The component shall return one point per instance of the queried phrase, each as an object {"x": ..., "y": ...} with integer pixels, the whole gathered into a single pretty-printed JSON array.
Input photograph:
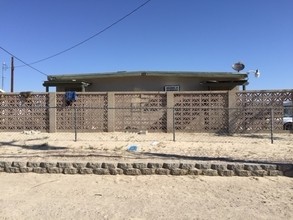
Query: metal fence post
[
  {"x": 173, "y": 124},
  {"x": 272, "y": 125},
  {"x": 75, "y": 125}
]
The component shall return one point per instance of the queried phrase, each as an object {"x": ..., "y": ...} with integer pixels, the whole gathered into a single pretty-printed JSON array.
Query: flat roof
[{"x": 209, "y": 75}]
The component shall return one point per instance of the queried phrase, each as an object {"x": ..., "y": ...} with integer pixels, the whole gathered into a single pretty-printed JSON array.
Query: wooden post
[{"x": 12, "y": 75}]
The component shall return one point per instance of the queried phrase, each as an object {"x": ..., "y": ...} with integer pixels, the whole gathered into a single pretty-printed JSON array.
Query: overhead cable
[
  {"x": 25, "y": 64},
  {"x": 93, "y": 36}
]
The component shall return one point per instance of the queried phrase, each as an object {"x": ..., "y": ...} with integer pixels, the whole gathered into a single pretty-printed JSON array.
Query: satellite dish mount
[{"x": 238, "y": 66}]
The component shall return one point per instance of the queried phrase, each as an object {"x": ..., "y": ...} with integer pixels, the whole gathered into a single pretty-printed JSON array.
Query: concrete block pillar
[
  {"x": 231, "y": 111},
  {"x": 111, "y": 111},
  {"x": 52, "y": 112},
  {"x": 170, "y": 112}
]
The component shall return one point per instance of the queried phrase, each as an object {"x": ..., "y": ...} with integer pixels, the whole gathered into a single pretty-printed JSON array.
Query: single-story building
[{"x": 147, "y": 81}]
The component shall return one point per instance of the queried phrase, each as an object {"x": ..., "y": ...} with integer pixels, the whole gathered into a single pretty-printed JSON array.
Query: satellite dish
[{"x": 238, "y": 66}]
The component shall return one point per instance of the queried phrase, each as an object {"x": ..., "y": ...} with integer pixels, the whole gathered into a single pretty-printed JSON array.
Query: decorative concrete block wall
[
  {"x": 185, "y": 111},
  {"x": 198, "y": 168}
]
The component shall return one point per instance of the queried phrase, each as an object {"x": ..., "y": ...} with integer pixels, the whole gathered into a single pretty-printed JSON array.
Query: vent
[{"x": 172, "y": 88}]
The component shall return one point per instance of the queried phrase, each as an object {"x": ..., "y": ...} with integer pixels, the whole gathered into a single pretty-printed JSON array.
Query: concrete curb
[{"x": 176, "y": 169}]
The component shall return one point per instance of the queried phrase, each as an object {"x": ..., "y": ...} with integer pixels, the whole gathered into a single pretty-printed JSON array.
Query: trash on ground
[
  {"x": 143, "y": 132},
  {"x": 154, "y": 143},
  {"x": 132, "y": 148}
]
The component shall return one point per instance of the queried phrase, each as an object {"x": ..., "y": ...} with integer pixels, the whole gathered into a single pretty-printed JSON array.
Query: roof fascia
[{"x": 148, "y": 73}]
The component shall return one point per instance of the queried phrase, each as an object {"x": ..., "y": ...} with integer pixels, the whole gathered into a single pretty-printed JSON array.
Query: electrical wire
[
  {"x": 93, "y": 36},
  {"x": 76, "y": 45},
  {"x": 25, "y": 64}
]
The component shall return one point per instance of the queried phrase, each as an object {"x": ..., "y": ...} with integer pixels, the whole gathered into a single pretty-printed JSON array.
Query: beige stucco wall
[
  {"x": 142, "y": 83},
  {"x": 147, "y": 83}
]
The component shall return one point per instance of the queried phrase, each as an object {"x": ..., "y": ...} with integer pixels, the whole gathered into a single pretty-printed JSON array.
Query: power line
[
  {"x": 93, "y": 36},
  {"x": 76, "y": 45},
  {"x": 26, "y": 64}
]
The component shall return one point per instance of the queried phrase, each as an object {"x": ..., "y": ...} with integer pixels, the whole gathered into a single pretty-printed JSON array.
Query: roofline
[{"x": 149, "y": 73}]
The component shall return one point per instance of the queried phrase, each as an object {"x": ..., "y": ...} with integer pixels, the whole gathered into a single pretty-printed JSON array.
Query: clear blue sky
[{"x": 189, "y": 35}]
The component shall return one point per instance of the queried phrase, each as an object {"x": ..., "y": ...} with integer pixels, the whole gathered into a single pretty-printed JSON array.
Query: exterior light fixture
[{"x": 255, "y": 72}]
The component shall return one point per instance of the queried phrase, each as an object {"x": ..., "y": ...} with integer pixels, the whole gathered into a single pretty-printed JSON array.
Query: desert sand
[
  {"x": 43, "y": 196},
  {"x": 58, "y": 196},
  {"x": 31, "y": 145}
]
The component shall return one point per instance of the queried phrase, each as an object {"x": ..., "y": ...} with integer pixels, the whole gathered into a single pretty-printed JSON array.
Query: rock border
[{"x": 134, "y": 169}]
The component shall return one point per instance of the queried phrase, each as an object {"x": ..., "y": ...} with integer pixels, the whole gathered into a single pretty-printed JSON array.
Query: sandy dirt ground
[
  {"x": 39, "y": 196},
  {"x": 57, "y": 196},
  {"x": 156, "y": 146}
]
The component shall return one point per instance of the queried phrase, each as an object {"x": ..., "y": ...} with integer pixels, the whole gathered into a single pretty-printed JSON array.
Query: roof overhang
[
  {"x": 210, "y": 79},
  {"x": 65, "y": 83},
  {"x": 200, "y": 75},
  {"x": 225, "y": 82}
]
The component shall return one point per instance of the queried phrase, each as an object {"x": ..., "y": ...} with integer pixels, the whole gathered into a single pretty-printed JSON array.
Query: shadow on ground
[
  {"x": 199, "y": 158},
  {"x": 253, "y": 136},
  {"x": 43, "y": 146}
]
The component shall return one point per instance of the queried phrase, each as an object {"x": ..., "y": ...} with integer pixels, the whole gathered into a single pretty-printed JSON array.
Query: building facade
[{"x": 147, "y": 81}]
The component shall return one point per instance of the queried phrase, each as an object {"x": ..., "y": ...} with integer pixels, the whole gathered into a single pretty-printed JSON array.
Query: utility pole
[{"x": 12, "y": 75}]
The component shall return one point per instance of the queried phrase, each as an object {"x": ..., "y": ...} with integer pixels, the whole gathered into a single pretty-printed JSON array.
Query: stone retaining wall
[{"x": 199, "y": 168}]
